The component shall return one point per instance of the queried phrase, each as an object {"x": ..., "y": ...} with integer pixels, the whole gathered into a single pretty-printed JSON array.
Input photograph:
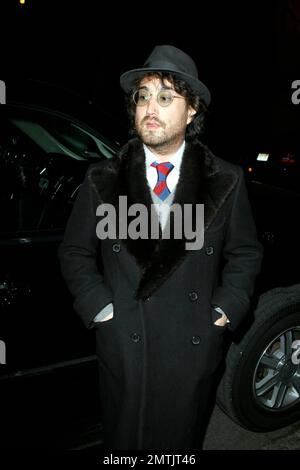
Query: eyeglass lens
[{"x": 163, "y": 97}]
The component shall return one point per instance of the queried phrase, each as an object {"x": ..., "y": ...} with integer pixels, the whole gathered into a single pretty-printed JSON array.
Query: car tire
[{"x": 260, "y": 388}]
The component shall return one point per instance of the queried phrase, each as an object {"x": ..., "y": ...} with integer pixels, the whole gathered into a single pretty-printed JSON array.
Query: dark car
[
  {"x": 47, "y": 362},
  {"x": 48, "y": 377}
]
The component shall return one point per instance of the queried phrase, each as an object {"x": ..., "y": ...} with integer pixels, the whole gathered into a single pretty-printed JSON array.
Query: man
[{"x": 159, "y": 308}]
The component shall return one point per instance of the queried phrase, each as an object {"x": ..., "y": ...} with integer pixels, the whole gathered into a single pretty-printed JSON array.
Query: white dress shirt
[{"x": 163, "y": 207}]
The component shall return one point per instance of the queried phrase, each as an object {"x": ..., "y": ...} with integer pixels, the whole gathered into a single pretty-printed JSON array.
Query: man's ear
[{"x": 191, "y": 114}]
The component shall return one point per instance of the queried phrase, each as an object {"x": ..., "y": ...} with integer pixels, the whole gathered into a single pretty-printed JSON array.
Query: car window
[
  {"x": 59, "y": 136},
  {"x": 43, "y": 159}
]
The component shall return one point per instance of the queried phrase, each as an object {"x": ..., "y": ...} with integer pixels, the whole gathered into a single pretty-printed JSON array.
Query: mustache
[{"x": 152, "y": 119}]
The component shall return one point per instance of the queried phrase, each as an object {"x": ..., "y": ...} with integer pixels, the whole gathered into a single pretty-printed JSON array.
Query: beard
[{"x": 158, "y": 138}]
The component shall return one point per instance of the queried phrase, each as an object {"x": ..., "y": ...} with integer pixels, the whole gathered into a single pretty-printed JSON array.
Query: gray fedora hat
[{"x": 172, "y": 60}]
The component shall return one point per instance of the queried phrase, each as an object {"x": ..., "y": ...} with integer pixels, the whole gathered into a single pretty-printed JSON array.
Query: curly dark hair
[{"x": 195, "y": 127}]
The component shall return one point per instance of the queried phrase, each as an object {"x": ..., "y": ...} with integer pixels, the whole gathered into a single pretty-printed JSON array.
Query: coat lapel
[{"x": 201, "y": 181}]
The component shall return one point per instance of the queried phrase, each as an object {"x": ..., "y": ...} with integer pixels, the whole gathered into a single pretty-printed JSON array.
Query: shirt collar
[{"x": 175, "y": 159}]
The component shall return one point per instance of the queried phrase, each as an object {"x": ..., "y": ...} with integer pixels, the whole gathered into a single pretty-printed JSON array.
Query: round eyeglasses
[{"x": 164, "y": 97}]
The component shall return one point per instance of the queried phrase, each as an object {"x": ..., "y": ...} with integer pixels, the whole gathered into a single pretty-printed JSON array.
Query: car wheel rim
[{"x": 276, "y": 380}]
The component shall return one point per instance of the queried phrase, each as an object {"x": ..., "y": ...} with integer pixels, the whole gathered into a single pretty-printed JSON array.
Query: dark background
[{"x": 246, "y": 52}]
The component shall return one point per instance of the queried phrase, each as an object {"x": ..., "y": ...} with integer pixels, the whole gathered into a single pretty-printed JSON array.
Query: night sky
[{"x": 247, "y": 53}]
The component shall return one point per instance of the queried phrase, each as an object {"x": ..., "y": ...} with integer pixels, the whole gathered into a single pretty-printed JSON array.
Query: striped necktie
[{"x": 163, "y": 169}]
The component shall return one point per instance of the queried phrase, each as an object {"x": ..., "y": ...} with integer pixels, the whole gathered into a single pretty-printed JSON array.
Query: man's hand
[{"x": 222, "y": 321}]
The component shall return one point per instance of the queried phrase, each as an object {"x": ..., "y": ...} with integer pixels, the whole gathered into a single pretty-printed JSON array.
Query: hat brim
[{"x": 127, "y": 79}]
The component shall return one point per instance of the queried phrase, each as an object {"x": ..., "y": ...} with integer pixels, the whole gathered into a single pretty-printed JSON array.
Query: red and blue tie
[{"x": 163, "y": 169}]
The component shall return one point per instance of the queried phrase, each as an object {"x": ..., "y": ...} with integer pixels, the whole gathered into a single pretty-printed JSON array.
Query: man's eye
[
  {"x": 165, "y": 97},
  {"x": 143, "y": 96}
]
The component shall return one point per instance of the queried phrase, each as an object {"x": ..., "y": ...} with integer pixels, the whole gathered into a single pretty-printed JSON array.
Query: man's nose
[{"x": 152, "y": 105}]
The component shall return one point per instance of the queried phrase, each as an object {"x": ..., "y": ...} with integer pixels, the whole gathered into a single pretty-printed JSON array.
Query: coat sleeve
[
  {"x": 242, "y": 253},
  {"x": 78, "y": 257}
]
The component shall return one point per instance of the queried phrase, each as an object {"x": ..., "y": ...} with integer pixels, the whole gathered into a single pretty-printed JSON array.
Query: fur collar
[{"x": 202, "y": 180}]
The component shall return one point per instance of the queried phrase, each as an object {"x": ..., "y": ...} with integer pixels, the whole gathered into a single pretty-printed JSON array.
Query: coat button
[
  {"x": 209, "y": 250},
  {"x": 196, "y": 340},
  {"x": 193, "y": 296},
  {"x": 116, "y": 247},
  {"x": 135, "y": 338}
]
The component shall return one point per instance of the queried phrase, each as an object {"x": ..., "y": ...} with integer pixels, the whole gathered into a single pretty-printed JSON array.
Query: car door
[{"x": 43, "y": 159}]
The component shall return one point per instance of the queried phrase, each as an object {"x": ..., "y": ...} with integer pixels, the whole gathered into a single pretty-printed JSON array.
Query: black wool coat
[{"x": 161, "y": 343}]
